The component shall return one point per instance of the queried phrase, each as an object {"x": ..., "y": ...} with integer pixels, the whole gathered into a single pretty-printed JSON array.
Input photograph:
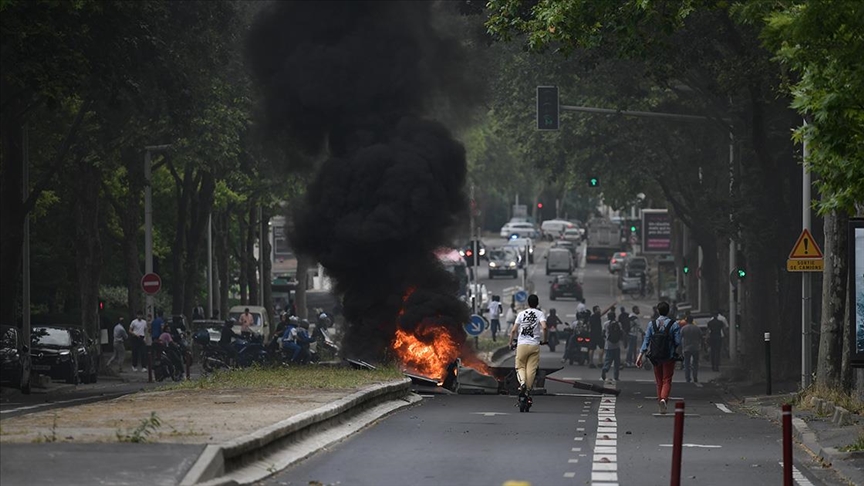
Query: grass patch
[
  {"x": 142, "y": 432},
  {"x": 321, "y": 377},
  {"x": 858, "y": 445},
  {"x": 836, "y": 395}
]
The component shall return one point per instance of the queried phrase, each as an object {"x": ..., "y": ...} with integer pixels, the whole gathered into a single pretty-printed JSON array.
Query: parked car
[
  {"x": 616, "y": 263},
  {"x": 567, "y": 245},
  {"x": 15, "y": 366},
  {"x": 89, "y": 355},
  {"x": 636, "y": 265},
  {"x": 54, "y": 353},
  {"x": 474, "y": 246},
  {"x": 260, "y": 319},
  {"x": 520, "y": 230},
  {"x": 504, "y": 261},
  {"x": 565, "y": 286},
  {"x": 559, "y": 260},
  {"x": 524, "y": 246}
]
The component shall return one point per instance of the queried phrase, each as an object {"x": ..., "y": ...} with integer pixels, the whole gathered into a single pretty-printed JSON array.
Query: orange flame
[{"x": 428, "y": 351}]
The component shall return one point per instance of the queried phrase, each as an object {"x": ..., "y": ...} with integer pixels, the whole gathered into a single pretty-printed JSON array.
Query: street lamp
[{"x": 148, "y": 217}]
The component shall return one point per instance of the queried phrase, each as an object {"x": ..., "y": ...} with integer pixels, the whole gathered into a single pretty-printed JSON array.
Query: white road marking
[
  {"x": 723, "y": 407},
  {"x": 569, "y": 474},
  {"x": 703, "y": 446},
  {"x": 573, "y": 461},
  {"x": 489, "y": 414},
  {"x": 41, "y": 405},
  {"x": 603, "y": 476},
  {"x": 580, "y": 429},
  {"x": 576, "y": 449},
  {"x": 799, "y": 477},
  {"x": 604, "y": 465}
]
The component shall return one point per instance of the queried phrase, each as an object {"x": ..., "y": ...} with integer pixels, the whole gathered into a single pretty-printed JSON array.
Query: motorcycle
[
  {"x": 578, "y": 343},
  {"x": 247, "y": 352},
  {"x": 167, "y": 362}
]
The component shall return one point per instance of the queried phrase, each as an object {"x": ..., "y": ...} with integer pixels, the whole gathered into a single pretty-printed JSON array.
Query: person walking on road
[
  {"x": 137, "y": 332},
  {"x": 495, "y": 308},
  {"x": 528, "y": 334},
  {"x": 120, "y": 338},
  {"x": 662, "y": 338},
  {"x": 612, "y": 334},
  {"x": 633, "y": 336},
  {"x": 595, "y": 331},
  {"x": 691, "y": 344},
  {"x": 716, "y": 330}
]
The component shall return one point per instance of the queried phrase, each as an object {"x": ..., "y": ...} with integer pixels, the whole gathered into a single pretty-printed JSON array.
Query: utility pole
[
  {"x": 261, "y": 256},
  {"x": 806, "y": 297},
  {"x": 148, "y": 219},
  {"x": 210, "y": 264},
  {"x": 25, "y": 278},
  {"x": 473, "y": 292}
]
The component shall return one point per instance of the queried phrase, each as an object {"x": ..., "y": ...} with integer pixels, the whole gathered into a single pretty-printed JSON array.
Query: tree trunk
[
  {"x": 88, "y": 248},
  {"x": 303, "y": 262},
  {"x": 223, "y": 262},
  {"x": 11, "y": 214},
  {"x": 266, "y": 251},
  {"x": 834, "y": 300},
  {"x": 240, "y": 254},
  {"x": 130, "y": 223},
  {"x": 178, "y": 287},
  {"x": 252, "y": 262},
  {"x": 201, "y": 203}
]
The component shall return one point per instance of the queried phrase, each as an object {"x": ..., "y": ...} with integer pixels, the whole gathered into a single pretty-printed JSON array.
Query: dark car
[
  {"x": 469, "y": 249},
  {"x": 565, "y": 286},
  {"x": 89, "y": 355},
  {"x": 54, "y": 353},
  {"x": 504, "y": 261},
  {"x": 14, "y": 359}
]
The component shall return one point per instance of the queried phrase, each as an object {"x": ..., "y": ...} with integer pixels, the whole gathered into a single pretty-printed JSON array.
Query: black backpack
[
  {"x": 658, "y": 346},
  {"x": 613, "y": 332}
]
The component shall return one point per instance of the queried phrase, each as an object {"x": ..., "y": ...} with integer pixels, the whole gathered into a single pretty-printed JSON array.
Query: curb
[{"x": 221, "y": 459}]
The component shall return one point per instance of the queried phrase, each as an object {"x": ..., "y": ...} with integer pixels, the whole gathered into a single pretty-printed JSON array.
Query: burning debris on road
[{"x": 353, "y": 80}]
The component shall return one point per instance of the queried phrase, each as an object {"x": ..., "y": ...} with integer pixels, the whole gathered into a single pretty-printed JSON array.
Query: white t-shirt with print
[{"x": 528, "y": 323}]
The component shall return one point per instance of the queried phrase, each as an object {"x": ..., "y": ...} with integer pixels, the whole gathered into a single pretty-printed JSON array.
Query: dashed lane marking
[{"x": 798, "y": 476}]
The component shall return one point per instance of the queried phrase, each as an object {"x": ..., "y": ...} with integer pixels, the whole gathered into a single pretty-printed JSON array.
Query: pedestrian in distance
[
  {"x": 662, "y": 338},
  {"x": 691, "y": 344},
  {"x": 495, "y": 308},
  {"x": 612, "y": 335},
  {"x": 198, "y": 312},
  {"x": 137, "y": 333},
  {"x": 633, "y": 336},
  {"x": 246, "y": 321},
  {"x": 156, "y": 325},
  {"x": 528, "y": 333},
  {"x": 120, "y": 338},
  {"x": 510, "y": 317},
  {"x": 595, "y": 332},
  {"x": 716, "y": 332}
]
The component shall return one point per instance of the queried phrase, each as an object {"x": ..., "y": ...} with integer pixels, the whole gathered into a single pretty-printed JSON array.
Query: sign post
[
  {"x": 805, "y": 257},
  {"x": 151, "y": 283}
]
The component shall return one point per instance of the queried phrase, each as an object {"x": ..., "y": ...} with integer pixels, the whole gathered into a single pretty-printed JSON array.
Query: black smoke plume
[{"x": 354, "y": 79}]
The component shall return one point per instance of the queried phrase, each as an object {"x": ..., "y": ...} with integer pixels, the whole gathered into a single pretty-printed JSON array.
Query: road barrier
[
  {"x": 787, "y": 445},
  {"x": 677, "y": 441}
]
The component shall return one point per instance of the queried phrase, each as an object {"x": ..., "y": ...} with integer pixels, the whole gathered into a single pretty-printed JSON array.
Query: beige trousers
[{"x": 527, "y": 361}]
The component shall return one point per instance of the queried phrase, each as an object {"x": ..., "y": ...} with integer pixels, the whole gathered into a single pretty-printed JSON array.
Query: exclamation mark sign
[{"x": 806, "y": 246}]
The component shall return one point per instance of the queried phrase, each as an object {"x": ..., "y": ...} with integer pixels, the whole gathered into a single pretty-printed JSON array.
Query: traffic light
[
  {"x": 101, "y": 305},
  {"x": 742, "y": 272},
  {"x": 539, "y": 205},
  {"x": 632, "y": 228},
  {"x": 594, "y": 181},
  {"x": 547, "y": 108},
  {"x": 686, "y": 267},
  {"x": 741, "y": 268}
]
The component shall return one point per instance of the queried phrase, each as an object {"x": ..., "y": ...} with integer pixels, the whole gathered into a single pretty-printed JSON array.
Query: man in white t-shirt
[
  {"x": 137, "y": 331},
  {"x": 529, "y": 332},
  {"x": 495, "y": 308}
]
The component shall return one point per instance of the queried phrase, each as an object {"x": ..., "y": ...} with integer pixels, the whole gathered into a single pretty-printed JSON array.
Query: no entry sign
[{"x": 151, "y": 284}]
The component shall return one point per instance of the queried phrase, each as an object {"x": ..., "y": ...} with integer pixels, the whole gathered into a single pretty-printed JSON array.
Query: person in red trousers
[{"x": 662, "y": 339}]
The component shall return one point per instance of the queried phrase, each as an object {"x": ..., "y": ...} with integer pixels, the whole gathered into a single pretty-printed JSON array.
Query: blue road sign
[
  {"x": 521, "y": 296},
  {"x": 475, "y": 325}
]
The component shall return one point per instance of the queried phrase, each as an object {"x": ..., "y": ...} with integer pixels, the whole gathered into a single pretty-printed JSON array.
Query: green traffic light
[
  {"x": 632, "y": 229},
  {"x": 686, "y": 270},
  {"x": 742, "y": 273},
  {"x": 594, "y": 181}
]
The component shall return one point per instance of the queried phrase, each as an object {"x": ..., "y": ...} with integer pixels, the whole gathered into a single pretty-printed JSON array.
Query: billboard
[
  {"x": 656, "y": 231},
  {"x": 856, "y": 290}
]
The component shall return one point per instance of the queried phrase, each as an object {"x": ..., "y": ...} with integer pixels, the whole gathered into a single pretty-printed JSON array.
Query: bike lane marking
[{"x": 604, "y": 467}]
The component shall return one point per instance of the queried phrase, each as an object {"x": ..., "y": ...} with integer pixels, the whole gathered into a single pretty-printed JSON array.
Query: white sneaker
[
  {"x": 134, "y": 369},
  {"x": 144, "y": 370},
  {"x": 662, "y": 406}
]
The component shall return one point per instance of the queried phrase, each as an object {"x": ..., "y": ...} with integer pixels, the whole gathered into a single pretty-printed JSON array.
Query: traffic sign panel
[
  {"x": 521, "y": 296},
  {"x": 805, "y": 247},
  {"x": 475, "y": 325},
  {"x": 151, "y": 284},
  {"x": 804, "y": 265}
]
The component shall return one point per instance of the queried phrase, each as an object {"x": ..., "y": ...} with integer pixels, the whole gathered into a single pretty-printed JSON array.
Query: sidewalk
[{"x": 822, "y": 433}]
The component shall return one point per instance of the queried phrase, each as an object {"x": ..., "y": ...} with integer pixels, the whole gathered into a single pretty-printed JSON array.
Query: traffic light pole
[
  {"x": 148, "y": 220},
  {"x": 806, "y": 297}
]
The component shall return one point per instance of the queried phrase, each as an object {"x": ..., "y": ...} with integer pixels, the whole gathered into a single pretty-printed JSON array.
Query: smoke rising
[{"x": 354, "y": 79}]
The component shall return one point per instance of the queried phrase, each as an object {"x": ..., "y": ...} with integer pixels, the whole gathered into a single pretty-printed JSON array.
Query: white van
[
  {"x": 554, "y": 228},
  {"x": 260, "y": 319},
  {"x": 559, "y": 260}
]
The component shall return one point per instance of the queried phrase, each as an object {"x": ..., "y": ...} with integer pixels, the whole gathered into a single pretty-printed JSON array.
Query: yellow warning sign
[
  {"x": 805, "y": 247},
  {"x": 804, "y": 265}
]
